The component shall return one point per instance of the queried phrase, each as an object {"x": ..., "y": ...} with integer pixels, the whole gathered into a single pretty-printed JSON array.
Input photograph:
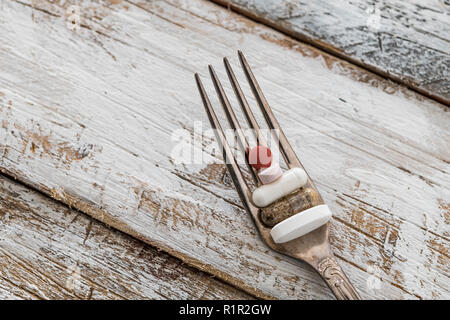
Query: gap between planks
[
  {"x": 321, "y": 45},
  {"x": 27, "y": 289},
  {"x": 94, "y": 213}
]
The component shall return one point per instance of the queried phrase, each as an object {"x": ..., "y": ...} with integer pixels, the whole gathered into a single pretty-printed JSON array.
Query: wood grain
[
  {"x": 406, "y": 41},
  {"x": 87, "y": 117},
  {"x": 49, "y": 251}
]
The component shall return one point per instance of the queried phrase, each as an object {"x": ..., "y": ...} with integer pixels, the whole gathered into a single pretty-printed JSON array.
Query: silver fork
[{"x": 314, "y": 247}]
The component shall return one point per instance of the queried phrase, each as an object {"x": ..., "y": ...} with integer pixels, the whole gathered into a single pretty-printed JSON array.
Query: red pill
[{"x": 260, "y": 157}]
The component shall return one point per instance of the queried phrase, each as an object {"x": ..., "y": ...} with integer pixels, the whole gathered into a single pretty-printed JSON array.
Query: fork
[{"x": 312, "y": 248}]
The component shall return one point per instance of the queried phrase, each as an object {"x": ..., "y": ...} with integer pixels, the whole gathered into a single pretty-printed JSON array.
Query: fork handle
[{"x": 336, "y": 279}]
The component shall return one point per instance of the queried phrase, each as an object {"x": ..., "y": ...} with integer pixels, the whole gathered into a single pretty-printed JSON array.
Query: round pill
[{"x": 260, "y": 157}]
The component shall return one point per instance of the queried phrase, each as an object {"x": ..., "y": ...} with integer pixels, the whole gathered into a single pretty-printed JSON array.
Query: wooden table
[{"x": 93, "y": 205}]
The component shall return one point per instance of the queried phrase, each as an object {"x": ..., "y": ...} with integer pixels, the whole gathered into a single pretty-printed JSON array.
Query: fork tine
[
  {"x": 286, "y": 150},
  {"x": 233, "y": 168},
  {"x": 251, "y": 120},
  {"x": 234, "y": 123}
]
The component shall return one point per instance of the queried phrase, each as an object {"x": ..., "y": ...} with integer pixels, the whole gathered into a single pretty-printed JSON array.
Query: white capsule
[
  {"x": 300, "y": 224},
  {"x": 269, "y": 193}
]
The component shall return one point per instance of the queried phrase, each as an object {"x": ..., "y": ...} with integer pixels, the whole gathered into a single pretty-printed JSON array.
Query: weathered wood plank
[
  {"x": 87, "y": 118},
  {"x": 407, "y": 41},
  {"x": 49, "y": 251}
]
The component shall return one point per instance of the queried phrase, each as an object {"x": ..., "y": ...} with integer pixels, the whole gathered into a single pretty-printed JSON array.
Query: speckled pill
[{"x": 301, "y": 199}]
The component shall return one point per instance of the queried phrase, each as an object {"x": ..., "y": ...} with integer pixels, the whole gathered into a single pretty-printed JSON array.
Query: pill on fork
[
  {"x": 289, "y": 181},
  {"x": 270, "y": 174},
  {"x": 260, "y": 157}
]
